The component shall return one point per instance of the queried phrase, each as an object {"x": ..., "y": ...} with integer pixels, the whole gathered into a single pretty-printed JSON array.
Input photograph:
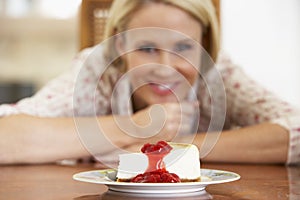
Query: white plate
[{"x": 108, "y": 176}]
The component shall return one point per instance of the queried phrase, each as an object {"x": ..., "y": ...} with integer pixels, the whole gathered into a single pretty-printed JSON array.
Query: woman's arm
[
  {"x": 32, "y": 140},
  {"x": 251, "y": 106},
  {"x": 260, "y": 144},
  {"x": 263, "y": 143},
  {"x": 27, "y": 139}
]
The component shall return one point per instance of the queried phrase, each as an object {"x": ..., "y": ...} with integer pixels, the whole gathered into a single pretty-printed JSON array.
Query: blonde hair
[{"x": 203, "y": 11}]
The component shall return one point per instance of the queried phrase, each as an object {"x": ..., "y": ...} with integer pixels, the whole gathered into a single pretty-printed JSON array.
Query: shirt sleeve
[{"x": 248, "y": 103}]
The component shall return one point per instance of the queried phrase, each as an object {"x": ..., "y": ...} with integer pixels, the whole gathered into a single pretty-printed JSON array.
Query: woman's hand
[{"x": 165, "y": 121}]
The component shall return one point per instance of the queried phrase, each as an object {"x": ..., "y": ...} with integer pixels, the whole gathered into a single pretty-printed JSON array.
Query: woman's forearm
[
  {"x": 264, "y": 143},
  {"x": 28, "y": 139}
]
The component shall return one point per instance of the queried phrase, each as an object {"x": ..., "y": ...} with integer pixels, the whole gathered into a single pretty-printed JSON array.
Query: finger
[
  {"x": 189, "y": 107},
  {"x": 185, "y": 128}
]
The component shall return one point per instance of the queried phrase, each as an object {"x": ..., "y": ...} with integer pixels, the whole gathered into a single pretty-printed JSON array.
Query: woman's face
[{"x": 162, "y": 61}]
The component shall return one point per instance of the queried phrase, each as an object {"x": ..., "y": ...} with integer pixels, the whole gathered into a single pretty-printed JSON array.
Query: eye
[
  {"x": 148, "y": 49},
  {"x": 183, "y": 47}
]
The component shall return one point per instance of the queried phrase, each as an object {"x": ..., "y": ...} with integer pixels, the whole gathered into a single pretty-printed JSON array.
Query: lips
[{"x": 163, "y": 89}]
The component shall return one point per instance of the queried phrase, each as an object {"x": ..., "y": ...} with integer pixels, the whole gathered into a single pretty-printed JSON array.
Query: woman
[{"x": 41, "y": 129}]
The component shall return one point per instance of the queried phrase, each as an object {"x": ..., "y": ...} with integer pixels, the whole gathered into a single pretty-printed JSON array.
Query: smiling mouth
[{"x": 163, "y": 89}]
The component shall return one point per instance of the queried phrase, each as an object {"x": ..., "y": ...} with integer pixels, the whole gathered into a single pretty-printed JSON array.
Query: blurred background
[{"x": 39, "y": 38}]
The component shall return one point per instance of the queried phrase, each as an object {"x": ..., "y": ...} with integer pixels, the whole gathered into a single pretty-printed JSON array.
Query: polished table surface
[{"x": 55, "y": 182}]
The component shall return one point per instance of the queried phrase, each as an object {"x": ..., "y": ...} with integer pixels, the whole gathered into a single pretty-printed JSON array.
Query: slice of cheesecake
[{"x": 175, "y": 160}]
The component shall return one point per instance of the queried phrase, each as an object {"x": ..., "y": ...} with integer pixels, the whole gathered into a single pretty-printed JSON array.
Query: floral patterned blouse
[{"x": 82, "y": 92}]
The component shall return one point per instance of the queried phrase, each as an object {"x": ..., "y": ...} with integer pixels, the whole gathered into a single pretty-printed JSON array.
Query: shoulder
[
  {"x": 93, "y": 59},
  {"x": 229, "y": 69},
  {"x": 224, "y": 63}
]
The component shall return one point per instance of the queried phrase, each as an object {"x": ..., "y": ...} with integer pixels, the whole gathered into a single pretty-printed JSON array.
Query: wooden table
[{"x": 55, "y": 182}]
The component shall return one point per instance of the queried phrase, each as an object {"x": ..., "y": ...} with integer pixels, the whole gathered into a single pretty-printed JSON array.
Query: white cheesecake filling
[{"x": 183, "y": 160}]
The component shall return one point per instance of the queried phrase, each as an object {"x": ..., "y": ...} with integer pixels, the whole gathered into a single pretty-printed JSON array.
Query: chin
[{"x": 150, "y": 98}]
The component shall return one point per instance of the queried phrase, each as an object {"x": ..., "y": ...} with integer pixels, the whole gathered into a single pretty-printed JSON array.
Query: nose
[
  {"x": 166, "y": 58},
  {"x": 167, "y": 64}
]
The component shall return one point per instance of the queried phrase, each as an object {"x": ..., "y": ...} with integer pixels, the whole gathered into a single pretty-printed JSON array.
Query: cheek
[
  {"x": 132, "y": 60},
  {"x": 127, "y": 59},
  {"x": 191, "y": 75},
  {"x": 188, "y": 71},
  {"x": 189, "y": 66},
  {"x": 137, "y": 70}
]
